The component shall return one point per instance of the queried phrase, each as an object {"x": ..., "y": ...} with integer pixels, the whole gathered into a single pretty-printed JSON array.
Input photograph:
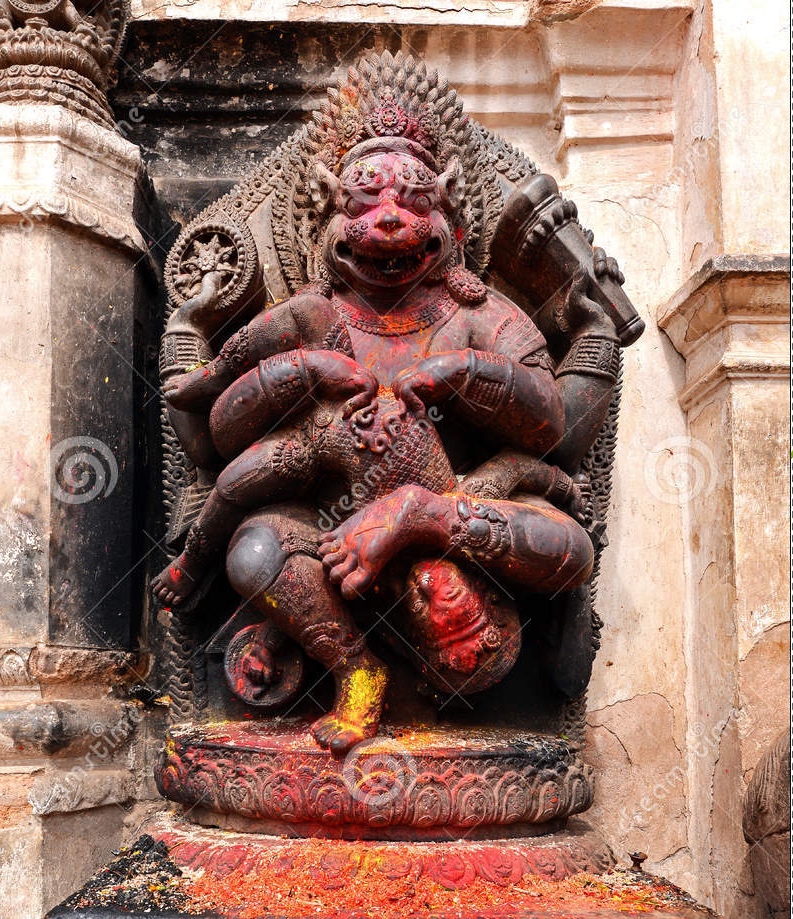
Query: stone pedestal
[
  {"x": 416, "y": 784},
  {"x": 72, "y": 387}
]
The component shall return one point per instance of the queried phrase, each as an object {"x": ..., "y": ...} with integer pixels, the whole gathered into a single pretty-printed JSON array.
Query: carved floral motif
[
  {"x": 535, "y": 781},
  {"x": 452, "y": 864}
]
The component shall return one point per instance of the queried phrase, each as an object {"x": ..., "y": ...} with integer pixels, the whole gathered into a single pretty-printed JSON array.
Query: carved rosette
[
  {"x": 217, "y": 245},
  {"x": 60, "y": 52},
  {"x": 419, "y": 782}
]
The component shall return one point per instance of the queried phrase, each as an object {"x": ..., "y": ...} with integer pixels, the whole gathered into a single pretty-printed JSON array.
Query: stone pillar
[
  {"x": 72, "y": 385},
  {"x": 731, "y": 324}
]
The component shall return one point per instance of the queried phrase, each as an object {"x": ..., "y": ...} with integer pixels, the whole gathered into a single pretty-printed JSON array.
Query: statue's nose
[{"x": 389, "y": 219}]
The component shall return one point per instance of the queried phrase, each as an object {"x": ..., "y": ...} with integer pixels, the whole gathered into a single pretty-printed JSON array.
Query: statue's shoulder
[{"x": 501, "y": 326}]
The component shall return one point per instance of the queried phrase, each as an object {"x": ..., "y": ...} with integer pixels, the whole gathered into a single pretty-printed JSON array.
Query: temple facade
[{"x": 667, "y": 120}]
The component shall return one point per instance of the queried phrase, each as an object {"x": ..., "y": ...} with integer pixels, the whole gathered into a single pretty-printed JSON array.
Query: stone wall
[{"x": 662, "y": 120}]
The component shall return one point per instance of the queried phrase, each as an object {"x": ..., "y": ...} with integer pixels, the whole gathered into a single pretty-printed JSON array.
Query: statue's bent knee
[
  {"x": 254, "y": 559},
  {"x": 556, "y": 549},
  {"x": 577, "y": 565}
]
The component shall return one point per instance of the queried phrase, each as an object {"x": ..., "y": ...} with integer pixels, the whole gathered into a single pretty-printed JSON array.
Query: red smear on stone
[{"x": 349, "y": 888}]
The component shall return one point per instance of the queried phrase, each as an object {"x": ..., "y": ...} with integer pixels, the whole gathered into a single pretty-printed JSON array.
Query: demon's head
[{"x": 391, "y": 217}]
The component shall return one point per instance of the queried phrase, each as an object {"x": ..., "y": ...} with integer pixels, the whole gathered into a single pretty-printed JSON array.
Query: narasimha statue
[{"x": 367, "y": 431}]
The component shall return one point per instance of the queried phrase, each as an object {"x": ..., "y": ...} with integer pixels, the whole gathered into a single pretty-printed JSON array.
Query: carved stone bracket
[
  {"x": 60, "y": 52},
  {"x": 730, "y": 322}
]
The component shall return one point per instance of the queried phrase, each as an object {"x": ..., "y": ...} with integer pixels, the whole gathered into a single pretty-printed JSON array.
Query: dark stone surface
[
  {"x": 99, "y": 382},
  {"x": 206, "y": 101}
]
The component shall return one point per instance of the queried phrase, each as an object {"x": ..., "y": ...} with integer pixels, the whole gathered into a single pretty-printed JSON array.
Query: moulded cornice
[{"x": 731, "y": 321}]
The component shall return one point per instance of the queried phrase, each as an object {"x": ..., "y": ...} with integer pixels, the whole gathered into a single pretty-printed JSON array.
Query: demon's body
[{"x": 327, "y": 394}]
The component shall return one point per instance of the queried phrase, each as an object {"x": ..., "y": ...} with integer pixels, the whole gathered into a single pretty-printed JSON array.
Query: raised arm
[{"x": 586, "y": 375}]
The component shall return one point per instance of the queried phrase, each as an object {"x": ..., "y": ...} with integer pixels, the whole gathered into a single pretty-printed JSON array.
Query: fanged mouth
[{"x": 392, "y": 267}]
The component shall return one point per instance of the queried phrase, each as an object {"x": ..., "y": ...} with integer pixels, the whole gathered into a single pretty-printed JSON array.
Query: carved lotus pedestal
[
  {"x": 454, "y": 808},
  {"x": 437, "y": 822},
  {"x": 412, "y": 785}
]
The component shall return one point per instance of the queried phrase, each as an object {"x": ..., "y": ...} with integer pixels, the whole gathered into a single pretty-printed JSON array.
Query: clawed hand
[
  {"x": 191, "y": 390},
  {"x": 580, "y": 503},
  {"x": 432, "y": 380},
  {"x": 336, "y": 376},
  {"x": 605, "y": 265}
]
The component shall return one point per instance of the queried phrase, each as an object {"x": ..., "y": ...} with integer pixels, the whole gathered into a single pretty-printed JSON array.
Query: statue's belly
[{"x": 379, "y": 451}]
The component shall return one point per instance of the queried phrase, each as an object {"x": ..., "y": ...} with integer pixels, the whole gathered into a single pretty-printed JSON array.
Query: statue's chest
[
  {"x": 387, "y": 344},
  {"x": 385, "y": 356}
]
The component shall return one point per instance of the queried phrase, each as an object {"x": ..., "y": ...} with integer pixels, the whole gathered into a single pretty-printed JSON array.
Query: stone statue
[{"x": 392, "y": 433}]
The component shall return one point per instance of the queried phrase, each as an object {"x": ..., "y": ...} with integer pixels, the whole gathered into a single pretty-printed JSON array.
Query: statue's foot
[
  {"x": 358, "y": 550},
  {"x": 359, "y": 704},
  {"x": 174, "y": 584}
]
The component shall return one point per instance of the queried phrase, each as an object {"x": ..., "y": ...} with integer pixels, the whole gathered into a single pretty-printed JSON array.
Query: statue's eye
[
  {"x": 354, "y": 207},
  {"x": 421, "y": 204}
]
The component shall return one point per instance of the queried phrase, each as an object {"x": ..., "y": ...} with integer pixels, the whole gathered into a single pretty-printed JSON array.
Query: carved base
[
  {"x": 414, "y": 784},
  {"x": 453, "y": 864},
  {"x": 179, "y": 870}
]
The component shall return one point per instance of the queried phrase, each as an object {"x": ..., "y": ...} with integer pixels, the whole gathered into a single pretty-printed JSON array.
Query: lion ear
[
  {"x": 451, "y": 185},
  {"x": 323, "y": 186}
]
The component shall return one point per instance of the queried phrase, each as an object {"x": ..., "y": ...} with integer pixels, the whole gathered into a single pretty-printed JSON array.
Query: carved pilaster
[
  {"x": 75, "y": 269},
  {"x": 731, "y": 324},
  {"x": 616, "y": 95}
]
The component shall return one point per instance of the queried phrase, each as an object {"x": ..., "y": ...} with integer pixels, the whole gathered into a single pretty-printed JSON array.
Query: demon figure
[{"x": 396, "y": 432}]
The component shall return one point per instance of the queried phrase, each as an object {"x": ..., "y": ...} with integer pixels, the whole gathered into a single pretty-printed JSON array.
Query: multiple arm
[{"x": 517, "y": 403}]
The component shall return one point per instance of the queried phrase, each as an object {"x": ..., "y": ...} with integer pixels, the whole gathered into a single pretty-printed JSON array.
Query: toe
[
  {"x": 340, "y": 571},
  {"x": 345, "y": 740},
  {"x": 355, "y": 584},
  {"x": 333, "y": 558}
]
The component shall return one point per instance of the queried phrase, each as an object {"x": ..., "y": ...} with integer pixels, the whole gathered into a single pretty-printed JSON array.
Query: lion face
[{"x": 390, "y": 224}]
